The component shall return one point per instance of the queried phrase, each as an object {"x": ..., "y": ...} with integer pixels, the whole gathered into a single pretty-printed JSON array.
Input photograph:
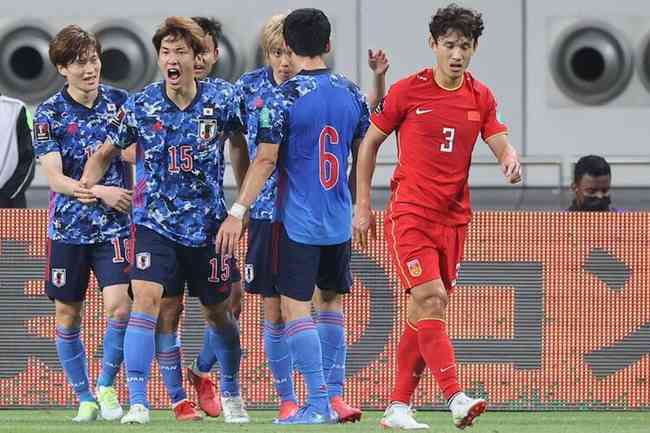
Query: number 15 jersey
[
  {"x": 436, "y": 131},
  {"x": 179, "y": 159}
]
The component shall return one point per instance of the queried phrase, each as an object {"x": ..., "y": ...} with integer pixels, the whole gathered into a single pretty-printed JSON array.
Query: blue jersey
[
  {"x": 63, "y": 125},
  {"x": 316, "y": 120},
  {"x": 254, "y": 89},
  {"x": 179, "y": 159}
]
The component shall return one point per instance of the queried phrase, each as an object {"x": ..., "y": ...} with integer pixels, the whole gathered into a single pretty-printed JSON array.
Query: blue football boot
[{"x": 308, "y": 414}]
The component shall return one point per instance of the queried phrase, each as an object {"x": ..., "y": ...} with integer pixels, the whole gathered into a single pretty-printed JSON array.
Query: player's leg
[
  {"x": 210, "y": 281},
  {"x": 259, "y": 273},
  {"x": 297, "y": 273},
  {"x": 109, "y": 264},
  {"x": 67, "y": 278},
  {"x": 153, "y": 265}
]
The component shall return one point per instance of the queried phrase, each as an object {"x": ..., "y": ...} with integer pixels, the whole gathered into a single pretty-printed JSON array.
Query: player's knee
[
  {"x": 431, "y": 299},
  {"x": 119, "y": 312},
  {"x": 68, "y": 316},
  {"x": 217, "y": 315},
  {"x": 273, "y": 310},
  {"x": 330, "y": 301}
]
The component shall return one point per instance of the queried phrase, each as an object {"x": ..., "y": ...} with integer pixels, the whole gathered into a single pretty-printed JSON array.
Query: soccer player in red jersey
[{"x": 437, "y": 114}]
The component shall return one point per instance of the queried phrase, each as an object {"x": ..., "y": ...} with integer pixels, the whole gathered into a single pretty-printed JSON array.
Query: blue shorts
[
  {"x": 158, "y": 259},
  {"x": 301, "y": 267},
  {"x": 69, "y": 265},
  {"x": 260, "y": 261}
]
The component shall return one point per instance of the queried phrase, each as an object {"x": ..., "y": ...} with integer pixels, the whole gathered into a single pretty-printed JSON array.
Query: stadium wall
[{"x": 551, "y": 312}]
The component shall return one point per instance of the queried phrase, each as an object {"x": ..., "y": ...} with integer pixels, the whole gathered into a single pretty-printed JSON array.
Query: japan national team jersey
[
  {"x": 63, "y": 125},
  {"x": 179, "y": 159},
  {"x": 316, "y": 120},
  {"x": 436, "y": 132},
  {"x": 254, "y": 89}
]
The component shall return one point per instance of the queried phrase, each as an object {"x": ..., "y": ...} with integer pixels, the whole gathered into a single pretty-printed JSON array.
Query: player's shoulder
[
  {"x": 112, "y": 94},
  {"x": 149, "y": 92},
  {"x": 7, "y": 100},
  {"x": 340, "y": 80},
  {"x": 219, "y": 92},
  {"x": 255, "y": 76},
  {"x": 51, "y": 105},
  {"x": 477, "y": 85},
  {"x": 298, "y": 86}
]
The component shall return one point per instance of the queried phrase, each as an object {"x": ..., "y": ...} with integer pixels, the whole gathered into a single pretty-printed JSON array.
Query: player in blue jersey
[
  {"x": 88, "y": 228},
  {"x": 180, "y": 126},
  {"x": 311, "y": 128}
]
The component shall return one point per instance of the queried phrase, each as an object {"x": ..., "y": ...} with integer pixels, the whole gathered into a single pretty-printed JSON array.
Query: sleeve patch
[{"x": 42, "y": 131}]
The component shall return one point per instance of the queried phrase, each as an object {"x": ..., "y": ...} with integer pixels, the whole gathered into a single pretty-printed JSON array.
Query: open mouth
[
  {"x": 173, "y": 74},
  {"x": 456, "y": 67}
]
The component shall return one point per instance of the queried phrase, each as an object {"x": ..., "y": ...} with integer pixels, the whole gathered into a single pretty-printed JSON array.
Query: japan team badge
[
  {"x": 143, "y": 261},
  {"x": 58, "y": 277},
  {"x": 207, "y": 129}
]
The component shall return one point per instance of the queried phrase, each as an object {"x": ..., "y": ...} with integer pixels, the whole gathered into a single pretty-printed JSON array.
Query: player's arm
[
  {"x": 128, "y": 154},
  {"x": 352, "y": 178},
  {"x": 378, "y": 63},
  {"x": 260, "y": 170},
  {"x": 507, "y": 157},
  {"x": 98, "y": 163},
  {"x": 363, "y": 220},
  {"x": 239, "y": 157},
  {"x": 60, "y": 183}
]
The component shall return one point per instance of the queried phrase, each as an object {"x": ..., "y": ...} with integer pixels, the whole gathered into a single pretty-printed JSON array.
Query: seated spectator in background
[
  {"x": 16, "y": 153},
  {"x": 592, "y": 179}
]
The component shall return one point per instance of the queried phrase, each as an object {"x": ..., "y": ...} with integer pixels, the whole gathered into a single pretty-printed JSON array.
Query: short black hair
[
  {"x": 307, "y": 32},
  {"x": 467, "y": 22},
  {"x": 210, "y": 26},
  {"x": 593, "y": 165}
]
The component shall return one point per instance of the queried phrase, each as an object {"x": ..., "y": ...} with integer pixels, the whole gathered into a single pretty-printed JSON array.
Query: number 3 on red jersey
[
  {"x": 328, "y": 163},
  {"x": 448, "y": 144}
]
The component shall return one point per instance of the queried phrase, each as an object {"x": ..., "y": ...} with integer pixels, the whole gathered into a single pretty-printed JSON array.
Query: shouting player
[
  {"x": 438, "y": 113},
  {"x": 88, "y": 228},
  {"x": 180, "y": 126},
  {"x": 312, "y": 125}
]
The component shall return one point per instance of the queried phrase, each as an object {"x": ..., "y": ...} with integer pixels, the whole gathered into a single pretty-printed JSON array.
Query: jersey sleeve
[
  {"x": 364, "y": 116},
  {"x": 492, "y": 124},
  {"x": 122, "y": 129},
  {"x": 43, "y": 132},
  {"x": 240, "y": 107},
  {"x": 233, "y": 120},
  {"x": 273, "y": 121},
  {"x": 391, "y": 110}
]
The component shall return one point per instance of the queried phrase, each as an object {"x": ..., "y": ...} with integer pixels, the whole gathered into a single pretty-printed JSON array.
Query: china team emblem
[
  {"x": 58, "y": 277},
  {"x": 207, "y": 129},
  {"x": 143, "y": 261},
  {"x": 414, "y": 267}
]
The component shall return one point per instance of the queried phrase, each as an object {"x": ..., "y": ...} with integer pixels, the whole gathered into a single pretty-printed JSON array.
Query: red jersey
[{"x": 436, "y": 131}]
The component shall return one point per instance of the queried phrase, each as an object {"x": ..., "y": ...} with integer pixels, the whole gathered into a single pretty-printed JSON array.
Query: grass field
[{"x": 28, "y": 421}]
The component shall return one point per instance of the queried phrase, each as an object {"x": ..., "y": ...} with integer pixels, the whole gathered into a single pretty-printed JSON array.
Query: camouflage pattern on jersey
[
  {"x": 179, "y": 159},
  {"x": 63, "y": 125},
  {"x": 254, "y": 90}
]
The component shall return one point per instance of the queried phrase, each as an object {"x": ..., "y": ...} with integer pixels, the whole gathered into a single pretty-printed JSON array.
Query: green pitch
[{"x": 55, "y": 421}]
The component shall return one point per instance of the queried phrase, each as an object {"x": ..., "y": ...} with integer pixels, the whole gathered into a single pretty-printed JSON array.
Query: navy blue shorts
[
  {"x": 259, "y": 269},
  {"x": 69, "y": 265},
  {"x": 172, "y": 265},
  {"x": 235, "y": 275},
  {"x": 301, "y": 267}
]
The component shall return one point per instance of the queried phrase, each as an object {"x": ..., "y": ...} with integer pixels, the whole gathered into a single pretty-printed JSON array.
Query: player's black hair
[
  {"x": 307, "y": 32},
  {"x": 593, "y": 165},
  {"x": 211, "y": 26},
  {"x": 467, "y": 22}
]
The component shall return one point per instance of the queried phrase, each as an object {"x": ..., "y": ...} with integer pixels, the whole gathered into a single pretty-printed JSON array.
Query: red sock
[
  {"x": 438, "y": 353},
  {"x": 410, "y": 365}
]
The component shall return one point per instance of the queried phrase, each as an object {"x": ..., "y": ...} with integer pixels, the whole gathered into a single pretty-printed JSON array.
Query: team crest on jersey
[
  {"x": 58, "y": 277},
  {"x": 207, "y": 129},
  {"x": 111, "y": 108},
  {"x": 414, "y": 267},
  {"x": 249, "y": 273},
  {"x": 143, "y": 261},
  {"x": 42, "y": 131}
]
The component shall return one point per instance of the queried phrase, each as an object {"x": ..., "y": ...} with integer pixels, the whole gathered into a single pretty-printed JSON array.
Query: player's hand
[
  {"x": 378, "y": 62},
  {"x": 363, "y": 222},
  {"x": 83, "y": 194},
  {"x": 114, "y": 197},
  {"x": 229, "y": 234},
  {"x": 511, "y": 168}
]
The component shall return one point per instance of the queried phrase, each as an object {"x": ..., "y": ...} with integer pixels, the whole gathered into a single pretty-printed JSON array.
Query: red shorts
[{"x": 423, "y": 250}]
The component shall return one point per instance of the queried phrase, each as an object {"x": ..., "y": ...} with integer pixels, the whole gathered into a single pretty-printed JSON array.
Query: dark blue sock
[
  {"x": 331, "y": 330},
  {"x": 277, "y": 354},
  {"x": 304, "y": 346},
  {"x": 206, "y": 359},
  {"x": 113, "y": 351},
  {"x": 72, "y": 356},
  {"x": 168, "y": 354},
  {"x": 227, "y": 348},
  {"x": 139, "y": 349}
]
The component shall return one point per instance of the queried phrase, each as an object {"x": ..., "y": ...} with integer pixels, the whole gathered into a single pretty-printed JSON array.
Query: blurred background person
[{"x": 592, "y": 178}]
